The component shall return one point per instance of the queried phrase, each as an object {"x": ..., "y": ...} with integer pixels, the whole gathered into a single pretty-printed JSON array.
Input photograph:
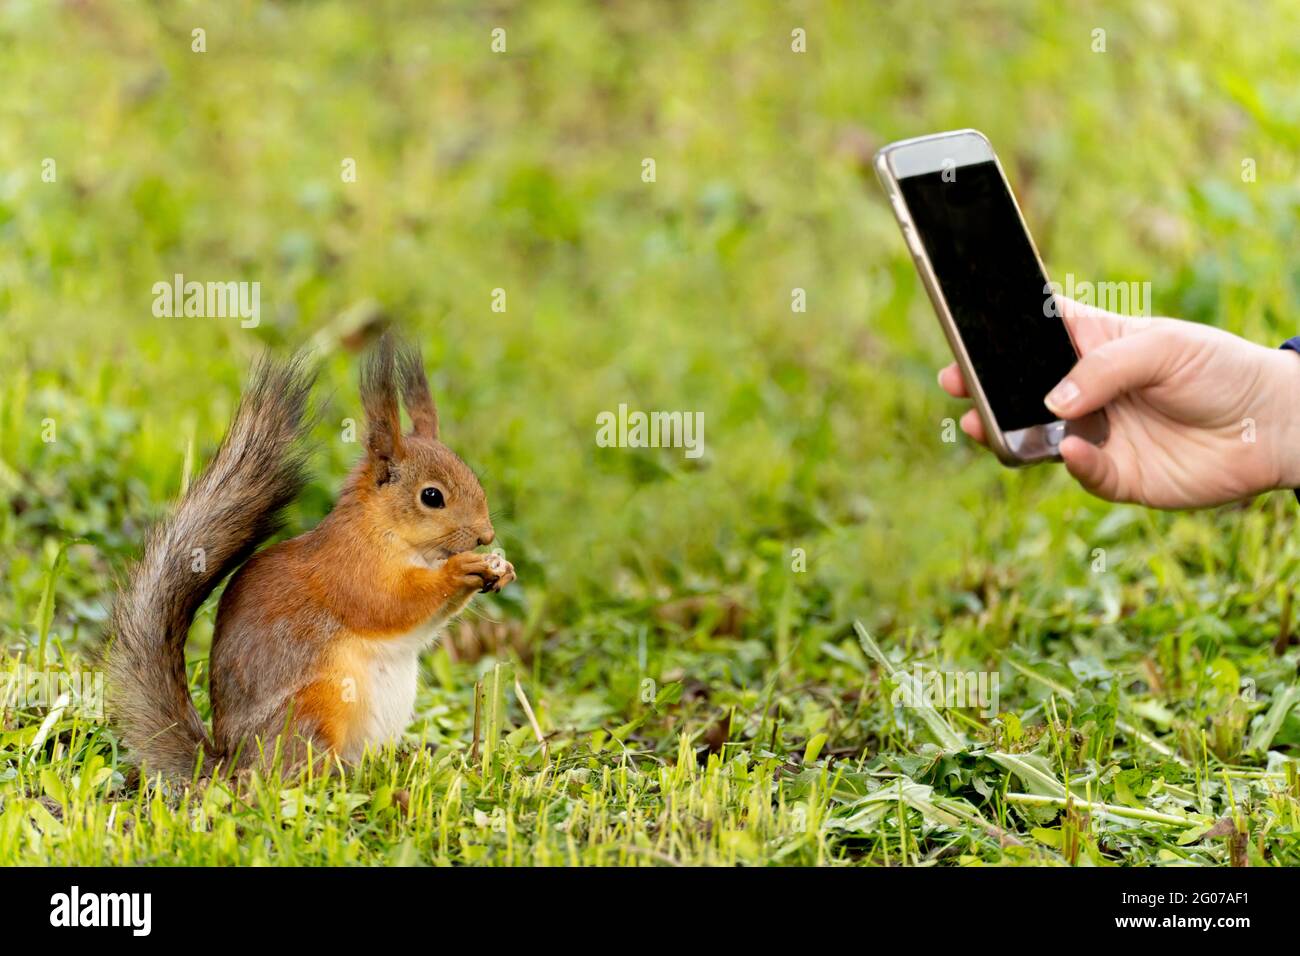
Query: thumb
[
  {"x": 1091, "y": 467},
  {"x": 1104, "y": 374}
]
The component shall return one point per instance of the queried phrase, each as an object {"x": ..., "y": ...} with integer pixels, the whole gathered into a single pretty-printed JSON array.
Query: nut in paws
[{"x": 503, "y": 570}]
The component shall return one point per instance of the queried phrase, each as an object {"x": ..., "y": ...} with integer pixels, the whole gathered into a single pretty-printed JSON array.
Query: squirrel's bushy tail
[{"x": 226, "y": 513}]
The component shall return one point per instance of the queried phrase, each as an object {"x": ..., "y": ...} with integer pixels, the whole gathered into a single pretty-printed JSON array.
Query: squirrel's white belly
[{"x": 388, "y": 693}]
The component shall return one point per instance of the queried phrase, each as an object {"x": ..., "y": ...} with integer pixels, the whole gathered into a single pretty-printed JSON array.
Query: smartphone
[{"x": 988, "y": 285}]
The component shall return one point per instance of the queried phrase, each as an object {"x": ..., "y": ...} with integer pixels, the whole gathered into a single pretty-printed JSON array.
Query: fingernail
[{"x": 1060, "y": 398}]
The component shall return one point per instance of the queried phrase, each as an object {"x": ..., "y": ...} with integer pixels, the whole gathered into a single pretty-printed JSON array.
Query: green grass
[{"x": 701, "y": 701}]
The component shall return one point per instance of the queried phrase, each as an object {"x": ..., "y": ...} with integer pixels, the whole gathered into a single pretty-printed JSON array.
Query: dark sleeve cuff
[{"x": 1293, "y": 344}]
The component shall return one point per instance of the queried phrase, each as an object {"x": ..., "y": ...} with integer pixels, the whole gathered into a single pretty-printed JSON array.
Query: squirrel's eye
[{"x": 432, "y": 498}]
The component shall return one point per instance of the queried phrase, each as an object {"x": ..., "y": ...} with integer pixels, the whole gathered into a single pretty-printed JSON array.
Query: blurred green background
[{"x": 522, "y": 171}]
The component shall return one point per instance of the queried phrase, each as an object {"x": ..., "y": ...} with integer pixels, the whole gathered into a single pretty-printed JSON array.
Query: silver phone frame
[{"x": 932, "y": 153}]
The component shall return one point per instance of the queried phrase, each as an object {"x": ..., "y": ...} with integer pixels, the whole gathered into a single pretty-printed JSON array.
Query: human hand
[{"x": 1198, "y": 416}]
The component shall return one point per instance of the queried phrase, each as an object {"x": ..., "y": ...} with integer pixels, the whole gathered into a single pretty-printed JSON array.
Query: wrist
[{"x": 1282, "y": 399}]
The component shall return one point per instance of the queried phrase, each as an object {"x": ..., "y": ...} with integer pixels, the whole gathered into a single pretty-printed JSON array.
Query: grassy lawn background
[{"x": 701, "y": 700}]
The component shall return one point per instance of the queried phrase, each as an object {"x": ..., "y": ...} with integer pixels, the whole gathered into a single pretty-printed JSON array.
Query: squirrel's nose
[{"x": 487, "y": 537}]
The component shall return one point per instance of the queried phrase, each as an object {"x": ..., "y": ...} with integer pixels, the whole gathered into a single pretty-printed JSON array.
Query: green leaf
[
  {"x": 45, "y": 611},
  {"x": 1033, "y": 770},
  {"x": 1268, "y": 728},
  {"x": 915, "y": 694},
  {"x": 52, "y": 786},
  {"x": 813, "y": 748}
]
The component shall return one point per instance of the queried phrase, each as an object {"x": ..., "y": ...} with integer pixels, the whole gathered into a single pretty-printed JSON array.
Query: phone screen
[{"x": 994, "y": 287}]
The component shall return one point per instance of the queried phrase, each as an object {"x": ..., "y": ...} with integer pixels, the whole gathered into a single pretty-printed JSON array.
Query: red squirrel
[{"x": 318, "y": 637}]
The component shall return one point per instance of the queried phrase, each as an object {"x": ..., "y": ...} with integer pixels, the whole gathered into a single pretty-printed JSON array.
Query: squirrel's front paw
[
  {"x": 480, "y": 572},
  {"x": 504, "y": 570},
  {"x": 471, "y": 571}
]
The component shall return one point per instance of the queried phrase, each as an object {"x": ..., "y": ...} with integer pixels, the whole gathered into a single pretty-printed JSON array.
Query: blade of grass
[
  {"x": 943, "y": 731},
  {"x": 1104, "y": 809}
]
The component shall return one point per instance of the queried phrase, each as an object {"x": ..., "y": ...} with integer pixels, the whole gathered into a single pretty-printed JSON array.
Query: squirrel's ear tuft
[
  {"x": 415, "y": 392},
  {"x": 379, "y": 398}
]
